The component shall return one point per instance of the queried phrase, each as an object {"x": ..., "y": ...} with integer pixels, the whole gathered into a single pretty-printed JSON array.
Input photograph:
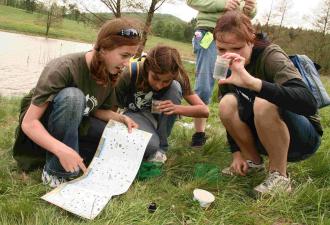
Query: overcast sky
[{"x": 299, "y": 9}]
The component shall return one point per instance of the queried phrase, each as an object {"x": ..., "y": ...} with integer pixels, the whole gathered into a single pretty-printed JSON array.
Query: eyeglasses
[{"x": 129, "y": 33}]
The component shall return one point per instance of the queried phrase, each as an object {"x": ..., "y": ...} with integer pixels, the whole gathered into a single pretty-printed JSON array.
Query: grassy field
[
  {"x": 235, "y": 203},
  {"x": 17, "y": 20}
]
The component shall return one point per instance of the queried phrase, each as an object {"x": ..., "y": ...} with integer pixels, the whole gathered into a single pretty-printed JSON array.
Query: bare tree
[
  {"x": 154, "y": 5},
  {"x": 322, "y": 20},
  {"x": 279, "y": 13},
  {"x": 268, "y": 16},
  {"x": 114, "y": 6},
  {"x": 95, "y": 19},
  {"x": 93, "y": 9},
  {"x": 117, "y": 6},
  {"x": 282, "y": 10},
  {"x": 54, "y": 15},
  {"x": 148, "y": 7}
]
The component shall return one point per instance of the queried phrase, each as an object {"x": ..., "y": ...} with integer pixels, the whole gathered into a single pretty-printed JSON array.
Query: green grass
[
  {"x": 309, "y": 203},
  {"x": 18, "y": 20},
  {"x": 20, "y": 194}
]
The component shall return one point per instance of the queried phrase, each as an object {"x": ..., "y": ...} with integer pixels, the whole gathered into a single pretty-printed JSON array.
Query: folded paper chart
[{"x": 111, "y": 172}]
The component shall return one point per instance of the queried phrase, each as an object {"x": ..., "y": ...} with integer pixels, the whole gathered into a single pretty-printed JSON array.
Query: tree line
[
  {"x": 314, "y": 42},
  {"x": 165, "y": 26},
  {"x": 174, "y": 30}
]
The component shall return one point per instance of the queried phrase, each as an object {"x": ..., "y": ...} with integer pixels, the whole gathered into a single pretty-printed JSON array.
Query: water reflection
[{"x": 23, "y": 57}]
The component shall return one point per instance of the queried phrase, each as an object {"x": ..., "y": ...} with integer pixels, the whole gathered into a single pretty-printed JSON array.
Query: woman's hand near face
[{"x": 239, "y": 76}]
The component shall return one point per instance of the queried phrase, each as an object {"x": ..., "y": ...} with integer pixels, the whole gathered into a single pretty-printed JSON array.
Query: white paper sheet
[{"x": 110, "y": 173}]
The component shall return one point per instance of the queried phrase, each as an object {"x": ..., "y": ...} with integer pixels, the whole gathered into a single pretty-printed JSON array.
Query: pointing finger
[{"x": 82, "y": 166}]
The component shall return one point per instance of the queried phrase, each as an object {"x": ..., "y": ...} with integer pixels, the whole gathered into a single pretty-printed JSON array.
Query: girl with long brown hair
[
  {"x": 265, "y": 107},
  {"x": 67, "y": 110},
  {"x": 160, "y": 76}
]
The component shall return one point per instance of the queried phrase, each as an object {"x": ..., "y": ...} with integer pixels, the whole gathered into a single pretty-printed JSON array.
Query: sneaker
[
  {"x": 274, "y": 182},
  {"x": 198, "y": 139},
  {"x": 51, "y": 180},
  {"x": 159, "y": 156},
  {"x": 252, "y": 167}
]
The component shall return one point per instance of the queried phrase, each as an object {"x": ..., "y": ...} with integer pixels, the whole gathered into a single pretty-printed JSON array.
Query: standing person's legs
[
  {"x": 165, "y": 123},
  {"x": 63, "y": 123},
  {"x": 205, "y": 60}
]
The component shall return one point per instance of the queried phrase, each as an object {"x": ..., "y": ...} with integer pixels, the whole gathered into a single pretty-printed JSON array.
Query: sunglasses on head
[{"x": 129, "y": 33}]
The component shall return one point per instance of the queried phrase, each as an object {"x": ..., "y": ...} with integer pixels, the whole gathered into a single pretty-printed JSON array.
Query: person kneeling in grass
[
  {"x": 63, "y": 117},
  {"x": 265, "y": 106},
  {"x": 158, "y": 76}
]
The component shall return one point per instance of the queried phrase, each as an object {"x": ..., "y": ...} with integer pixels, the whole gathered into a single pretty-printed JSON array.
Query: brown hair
[
  {"x": 109, "y": 38},
  {"x": 164, "y": 59},
  {"x": 237, "y": 23}
]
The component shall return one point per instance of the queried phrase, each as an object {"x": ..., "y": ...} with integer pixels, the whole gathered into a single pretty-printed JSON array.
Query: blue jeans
[
  {"x": 304, "y": 139},
  {"x": 64, "y": 118},
  {"x": 160, "y": 126},
  {"x": 205, "y": 60}
]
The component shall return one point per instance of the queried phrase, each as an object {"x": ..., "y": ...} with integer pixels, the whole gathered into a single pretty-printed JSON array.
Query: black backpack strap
[{"x": 134, "y": 73}]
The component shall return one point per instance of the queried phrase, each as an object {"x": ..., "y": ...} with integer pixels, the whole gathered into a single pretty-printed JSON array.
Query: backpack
[{"x": 311, "y": 77}]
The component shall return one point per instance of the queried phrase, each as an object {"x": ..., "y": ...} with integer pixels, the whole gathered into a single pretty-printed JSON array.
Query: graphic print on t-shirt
[
  {"x": 142, "y": 101},
  {"x": 91, "y": 103}
]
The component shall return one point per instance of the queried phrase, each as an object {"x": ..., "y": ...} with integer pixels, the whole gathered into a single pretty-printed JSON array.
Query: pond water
[{"x": 22, "y": 58}]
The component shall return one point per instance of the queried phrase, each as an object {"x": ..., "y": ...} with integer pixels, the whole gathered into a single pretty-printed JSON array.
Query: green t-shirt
[
  {"x": 71, "y": 71},
  {"x": 210, "y": 10},
  {"x": 273, "y": 65},
  {"x": 66, "y": 71}
]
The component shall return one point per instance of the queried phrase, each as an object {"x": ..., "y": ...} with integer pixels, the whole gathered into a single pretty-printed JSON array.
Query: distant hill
[
  {"x": 166, "y": 29},
  {"x": 18, "y": 20},
  {"x": 163, "y": 25},
  {"x": 142, "y": 17}
]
